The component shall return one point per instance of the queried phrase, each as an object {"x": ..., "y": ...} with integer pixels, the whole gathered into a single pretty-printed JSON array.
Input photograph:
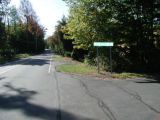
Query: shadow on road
[
  {"x": 36, "y": 62},
  {"x": 39, "y": 60},
  {"x": 153, "y": 79},
  {"x": 149, "y": 81},
  {"x": 20, "y": 101},
  {"x": 29, "y": 61},
  {"x": 1, "y": 78}
]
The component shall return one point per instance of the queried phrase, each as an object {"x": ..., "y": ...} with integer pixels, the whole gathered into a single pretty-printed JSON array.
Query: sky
[{"x": 48, "y": 11}]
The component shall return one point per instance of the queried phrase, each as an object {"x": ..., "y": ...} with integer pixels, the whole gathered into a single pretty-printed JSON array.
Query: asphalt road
[{"x": 31, "y": 89}]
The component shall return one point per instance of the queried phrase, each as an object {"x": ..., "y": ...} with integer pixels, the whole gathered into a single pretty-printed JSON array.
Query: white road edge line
[
  {"x": 7, "y": 70},
  {"x": 50, "y": 65}
]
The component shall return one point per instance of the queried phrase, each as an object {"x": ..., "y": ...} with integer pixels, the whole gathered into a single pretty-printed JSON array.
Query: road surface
[{"x": 31, "y": 89}]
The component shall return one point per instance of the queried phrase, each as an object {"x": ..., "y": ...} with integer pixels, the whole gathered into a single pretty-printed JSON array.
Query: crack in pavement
[
  {"x": 58, "y": 116},
  {"x": 59, "y": 98},
  {"x": 135, "y": 95},
  {"x": 100, "y": 102}
]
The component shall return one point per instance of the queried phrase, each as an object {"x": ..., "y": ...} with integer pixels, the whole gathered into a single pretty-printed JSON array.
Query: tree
[
  {"x": 3, "y": 14},
  {"x": 3, "y": 20},
  {"x": 34, "y": 37},
  {"x": 20, "y": 31},
  {"x": 128, "y": 23},
  {"x": 57, "y": 40}
]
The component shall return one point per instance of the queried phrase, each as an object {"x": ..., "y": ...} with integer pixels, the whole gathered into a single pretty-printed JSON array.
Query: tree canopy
[
  {"x": 20, "y": 31},
  {"x": 133, "y": 25}
]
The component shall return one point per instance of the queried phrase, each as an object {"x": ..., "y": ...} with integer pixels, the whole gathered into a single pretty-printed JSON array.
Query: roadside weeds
[{"x": 67, "y": 65}]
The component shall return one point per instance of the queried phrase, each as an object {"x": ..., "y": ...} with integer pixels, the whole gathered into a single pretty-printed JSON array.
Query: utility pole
[
  {"x": 98, "y": 60},
  {"x": 110, "y": 57}
]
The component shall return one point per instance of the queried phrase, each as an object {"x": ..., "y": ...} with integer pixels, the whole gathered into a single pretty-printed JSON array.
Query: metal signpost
[{"x": 103, "y": 44}]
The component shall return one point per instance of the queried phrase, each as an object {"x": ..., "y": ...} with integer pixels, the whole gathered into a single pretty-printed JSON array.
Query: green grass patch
[
  {"x": 129, "y": 75},
  {"x": 58, "y": 58},
  {"x": 82, "y": 68},
  {"x": 2, "y": 60},
  {"x": 19, "y": 56},
  {"x": 76, "y": 68}
]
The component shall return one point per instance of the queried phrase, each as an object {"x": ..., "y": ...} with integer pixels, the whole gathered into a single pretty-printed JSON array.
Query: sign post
[
  {"x": 98, "y": 60},
  {"x": 110, "y": 49},
  {"x": 104, "y": 44}
]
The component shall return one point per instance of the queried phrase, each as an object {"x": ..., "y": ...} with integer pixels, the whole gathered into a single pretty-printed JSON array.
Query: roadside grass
[
  {"x": 2, "y": 60},
  {"x": 79, "y": 68},
  {"x": 16, "y": 57},
  {"x": 129, "y": 75},
  {"x": 91, "y": 70},
  {"x": 58, "y": 58},
  {"x": 73, "y": 67},
  {"x": 19, "y": 56}
]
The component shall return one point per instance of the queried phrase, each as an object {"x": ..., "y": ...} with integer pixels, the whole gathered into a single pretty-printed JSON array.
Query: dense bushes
[
  {"x": 133, "y": 26},
  {"x": 130, "y": 24}
]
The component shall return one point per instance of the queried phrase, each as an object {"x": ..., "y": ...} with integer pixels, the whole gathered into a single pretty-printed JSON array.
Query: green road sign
[{"x": 101, "y": 44}]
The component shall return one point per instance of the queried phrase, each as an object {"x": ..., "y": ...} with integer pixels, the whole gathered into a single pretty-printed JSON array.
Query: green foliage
[
  {"x": 78, "y": 54},
  {"x": 128, "y": 23},
  {"x": 67, "y": 54},
  {"x": 20, "y": 31},
  {"x": 57, "y": 41},
  {"x": 2, "y": 34},
  {"x": 2, "y": 60},
  {"x": 129, "y": 75}
]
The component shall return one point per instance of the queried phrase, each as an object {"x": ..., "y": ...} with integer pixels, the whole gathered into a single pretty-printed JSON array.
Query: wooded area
[
  {"x": 20, "y": 31},
  {"x": 133, "y": 26}
]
